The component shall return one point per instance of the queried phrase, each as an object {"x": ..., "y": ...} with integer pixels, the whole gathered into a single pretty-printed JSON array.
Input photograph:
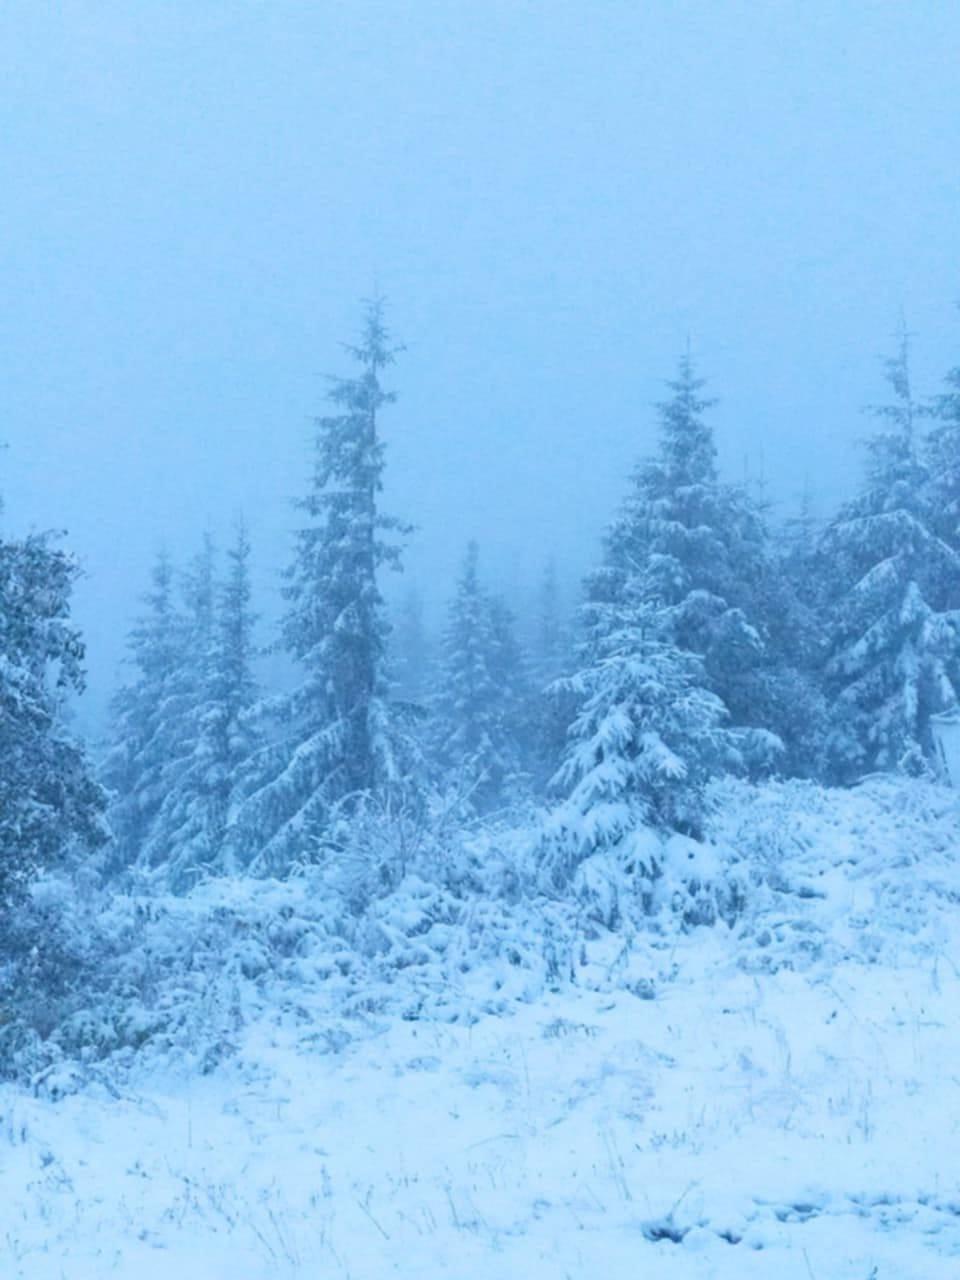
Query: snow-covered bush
[
  {"x": 398, "y": 922},
  {"x": 870, "y": 873}
]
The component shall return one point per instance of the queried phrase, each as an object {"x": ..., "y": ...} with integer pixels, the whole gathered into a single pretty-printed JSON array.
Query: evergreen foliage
[
  {"x": 229, "y": 732},
  {"x": 336, "y": 738},
  {"x": 412, "y": 650},
  {"x": 893, "y": 640},
  {"x": 187, "y": 837},
  {"x": 151, "y": 720},
  {"x": 941, "y": 455},
  {"x": 553, "y": 646},
  {"x": 49, "y": 798},
  {"x": 481, "y": 692},
  {"x": 645, "y": 741},
  {"x": 710, "y": 645},
  {"x": 551, "y": 706},
  {"x": 696, "y": 551},
  {"x": 782, "y": 687}
]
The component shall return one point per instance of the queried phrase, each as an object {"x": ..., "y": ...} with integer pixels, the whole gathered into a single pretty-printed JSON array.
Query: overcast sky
[{"x": 553, "y": 196}]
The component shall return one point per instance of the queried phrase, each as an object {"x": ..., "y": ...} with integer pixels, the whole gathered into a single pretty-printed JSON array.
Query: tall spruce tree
[
  {"x": 152, "y": 719},
  {"x": 551, "y": 706},
  {"x": 49, "y": 798},
  {"x": 673, "y": 642},
  {"x": 893, "y": 641},
  {"x": 480, "y": 691},
  {"x": 786, "y": 684},
  {"x": 941, "y": 458},
  {"x": 229, "y": 732},
  {"x": 174, "y": 844},
  {"x": 411, "y": 661},
  {"x": 552, "y": 640},
  {"x": 187, "y": 836},
  {"x": 696, "y": 550},
  {"x": 336, "y": 740}
]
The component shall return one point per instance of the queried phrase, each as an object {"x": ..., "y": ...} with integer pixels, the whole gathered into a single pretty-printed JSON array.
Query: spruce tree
[
  {"x": 941, "y": 460},
  {"x": 173, "y": 843},
  {"x": 786, "y": 684},
  {"x": 335, "y": 740},
  {"x": 892, "y": 636},
  {"x": 673, "y": 642},
  {"x": 552, "y": 648},
  {"x": 551, "y": 706},
  {"x": 187, "y": 836},
  {"x": 647, "y": 736},
  {"x": 50, "y": 801},
  {"x": 152, "y": 719},
  {"x": 696, "y": 550},
  {"x": 229, "y": 733},
  {"x": 411, "y": 662},
  {"x": 481, "y": 691}
]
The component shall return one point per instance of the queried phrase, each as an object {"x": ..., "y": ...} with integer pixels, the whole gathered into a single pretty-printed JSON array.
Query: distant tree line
[{"x": 710, "y": 639}]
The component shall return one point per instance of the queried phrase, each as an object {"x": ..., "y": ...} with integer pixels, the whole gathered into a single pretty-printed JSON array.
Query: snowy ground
[
  {"x": 736, "y": 1126},
  {"x": 800, "y": 1124}
]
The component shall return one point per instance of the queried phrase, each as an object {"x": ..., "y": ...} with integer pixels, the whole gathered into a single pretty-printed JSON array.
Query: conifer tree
[
  {"x": 893, "y": 640},
  {"x": 229, "y": 731},
  {"x": 646, "y": 738},
  {"x": 151, "y": 719},
  {"x": 552, "y": 650},
  {"x": 412, "y": 649},
  {"x": 49, "y": 798},
  {"x": 673, "y": 633},
  {"x": 801, "y": 531},
  {"x": 696, "y": 551},
  {"x": 336, "y": 740},
  {"x": 187, "y": 836},
  {"x": 941, "y": 460},
  {"x": 786, "y": 683},
  {"x": 171, "y": 843},
  {"x": 551, "y": 705},
  {"x": 199, "y": 592},
  {"x": 481, "y": 691}
]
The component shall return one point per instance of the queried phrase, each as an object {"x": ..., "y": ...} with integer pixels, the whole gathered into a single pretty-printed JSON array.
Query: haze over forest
[{"x": 552, "y": 198}]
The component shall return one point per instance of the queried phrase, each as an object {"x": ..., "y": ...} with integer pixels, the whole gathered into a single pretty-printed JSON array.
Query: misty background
[{"x": 553, "y": 197}]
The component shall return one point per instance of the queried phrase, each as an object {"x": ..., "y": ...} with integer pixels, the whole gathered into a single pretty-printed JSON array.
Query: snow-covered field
[{"x": 750, "y": 1115}]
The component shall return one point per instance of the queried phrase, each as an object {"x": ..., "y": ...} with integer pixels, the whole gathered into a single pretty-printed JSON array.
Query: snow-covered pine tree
[
  {"x": 552, "y": 641},
  {"x": 336, "y": 740},
  {"x": 480, "y": 691},
  {"x": 800, "y": 533},
  {"x": 785, "y": 685},
  {"x": 411, "y": 661},
  {"x": 551, "y": 707},
  {"x": 230, "y": 735},
  {"x": 941, "y": 458},
  {"x": 510, "y": 668},
  {"x": 174, "y": 843},
  {"x": 672, "y": 630},
  {"x": 49, "y": 798},
  {"x": 186, "y": 839},
  {"x": 647, "y": 736},
  {"x": 696, "y": 550},
  {"x": 893, "y": 642},
  {"x": 151, "y": 720}
]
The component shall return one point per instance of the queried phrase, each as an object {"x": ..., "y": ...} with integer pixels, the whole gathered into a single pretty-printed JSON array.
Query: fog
[{"x": 554, "y": 198}]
